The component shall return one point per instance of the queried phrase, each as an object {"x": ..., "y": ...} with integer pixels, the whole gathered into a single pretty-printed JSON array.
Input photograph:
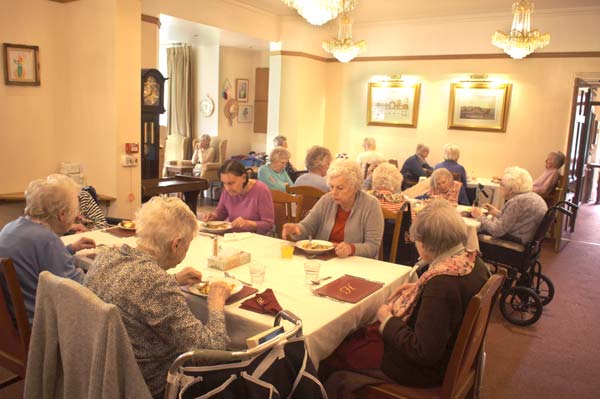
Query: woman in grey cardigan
[{"x": 345, "y": 216}]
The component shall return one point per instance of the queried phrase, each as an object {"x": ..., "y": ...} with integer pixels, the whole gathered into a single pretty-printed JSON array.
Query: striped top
[{"x": 90, "y": 213}]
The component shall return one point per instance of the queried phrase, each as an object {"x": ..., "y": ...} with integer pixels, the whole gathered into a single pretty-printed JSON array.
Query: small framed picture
[
  {"x": 241, "y": 89},
  {"x": 245, "y": 114},
  {"x": 21, "y": 65},
  {"x": 393, "y": 104}
]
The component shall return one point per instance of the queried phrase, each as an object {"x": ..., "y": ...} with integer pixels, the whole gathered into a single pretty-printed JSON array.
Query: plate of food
[
  {"x": 203, "y": 288},
  {"x": 215, "y": 226},
  {"x": 315, "y": 246},
  {"x": 127, "y": 225}
]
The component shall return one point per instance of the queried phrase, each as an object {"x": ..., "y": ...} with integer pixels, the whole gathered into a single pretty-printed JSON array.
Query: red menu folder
[{"x": 350, "y": 289}]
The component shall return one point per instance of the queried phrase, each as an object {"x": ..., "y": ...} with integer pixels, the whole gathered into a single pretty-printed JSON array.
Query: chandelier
[
  {"x": 317, "y": 12},
  {"x": 343, "y": 48},
  {"x": 521, "y": 41}
]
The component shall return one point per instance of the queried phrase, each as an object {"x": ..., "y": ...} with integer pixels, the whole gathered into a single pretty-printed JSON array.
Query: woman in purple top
[{"x": 246, "y": 202}]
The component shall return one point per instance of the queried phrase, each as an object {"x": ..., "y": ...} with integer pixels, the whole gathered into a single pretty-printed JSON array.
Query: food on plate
[
  {"x": 128, "y": 224},
  {"x": 316, "y": 247},
  {"x": 217, "y": 225},
  {"x": 204, "y": 288}
]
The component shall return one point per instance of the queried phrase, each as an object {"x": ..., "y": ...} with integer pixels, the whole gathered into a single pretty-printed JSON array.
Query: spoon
[{"x": 319, "y": 281}]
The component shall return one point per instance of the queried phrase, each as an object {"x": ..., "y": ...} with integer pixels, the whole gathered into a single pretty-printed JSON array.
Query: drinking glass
[
  {"x": 287, "y": 250},
  {"x": 311, "y": 271},
  {"x": 257, "y": 273}
]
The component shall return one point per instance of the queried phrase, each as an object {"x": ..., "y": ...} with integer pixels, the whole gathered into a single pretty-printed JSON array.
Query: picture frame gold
[
  {"x": 21, "y": 64},
  {"x": 393, "y": 103},
  {"x": 242, "y": 87},
  {"x": 479, "y": 106}
]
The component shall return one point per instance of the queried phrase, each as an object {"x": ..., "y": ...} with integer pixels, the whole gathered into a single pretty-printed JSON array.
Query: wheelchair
[{"x": 526, "y": 289}]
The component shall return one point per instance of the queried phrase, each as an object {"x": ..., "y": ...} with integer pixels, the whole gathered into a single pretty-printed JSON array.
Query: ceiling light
[
  {"x": 318, "y": 12},
  {"x": 343, "y": 48}
]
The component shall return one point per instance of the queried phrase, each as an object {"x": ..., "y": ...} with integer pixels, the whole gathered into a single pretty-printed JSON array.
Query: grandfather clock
[{"x": 153, "y": 99}]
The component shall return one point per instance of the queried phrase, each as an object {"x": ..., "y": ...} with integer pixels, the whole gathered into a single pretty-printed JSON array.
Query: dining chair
[
  {"x": 15, "y": 331},
  {"x": 310, "y": 196},
  {"x": 395, "y": 219},
  {"x": 210, "y": 171},
  {"x": 288, "y": 209},
  {"x": 465, "y": 367},
  {"x": 393, "y": 162}
]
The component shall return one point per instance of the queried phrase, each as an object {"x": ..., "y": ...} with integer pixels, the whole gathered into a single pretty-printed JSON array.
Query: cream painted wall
[
  {"x": 149, "y": 45},
  {"x": 240, "y": 64},
  {"x": 206, "y": 59}
]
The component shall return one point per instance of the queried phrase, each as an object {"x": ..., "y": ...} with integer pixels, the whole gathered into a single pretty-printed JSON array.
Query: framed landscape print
[
  {"x": 479, "y": 106},
  {"x": 393, "y": 104},
  {"x": 241, "y": 88},
  {"x": 21, "y": 65}
]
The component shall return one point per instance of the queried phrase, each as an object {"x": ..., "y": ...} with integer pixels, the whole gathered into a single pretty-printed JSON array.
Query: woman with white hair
[
  {"x": 33, "y": 241},
  {"x": 418, "y": 324},
  {"x": 158, "y": 320},
  {"x": 522, "y": 212},
  {"x": 203, "y": 153},
  {"x": 317, "y": 163},
  {"x": 346, "y": 216},
  {"x": 416, "y": 166},
  {"x": 444, "y": 186},
  {"x": 370, "y": 154},
  {"x": 451, "y": 156},
  {"x": 281, "y": 141},
  {"x": 547, "y": 182},
  {"x": 387, "y": 181},
  {"x": 273, "y": 174}
]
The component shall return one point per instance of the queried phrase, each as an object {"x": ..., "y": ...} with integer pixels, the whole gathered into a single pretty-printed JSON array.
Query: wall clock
[{"x": 207, "y": 106}]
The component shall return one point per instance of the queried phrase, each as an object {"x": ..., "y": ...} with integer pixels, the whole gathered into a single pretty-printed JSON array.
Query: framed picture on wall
[
  {"x": 479, "y": 106},
  {"x": 21, "y": 65},
  {"x": 241, "y": 88},
  {"x": 393, "y": 103},
  {"x": 245, "y": 114}
]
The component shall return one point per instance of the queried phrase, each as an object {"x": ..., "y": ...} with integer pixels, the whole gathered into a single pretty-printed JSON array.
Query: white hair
[
  {"x": 517, "y": 180},
  {"x": 46, "y": 198},
  {"x": 316, "y": 156},
  {"x": 349, "y": 170},
  {"x": 162, "y": 220},
  {"x": 279, "y": 153},
  {"x": 279, "y": 140},
  {"x": 439, "y": 227},
  {"x": 205, "y": 136},
  {"x": 439, "y": 173},
  {"x": 558, "y": 159},
  {"x": 369, "y": 143},
  {"x": 451, "y": 152},
  {"x": 387, "y": 176}
]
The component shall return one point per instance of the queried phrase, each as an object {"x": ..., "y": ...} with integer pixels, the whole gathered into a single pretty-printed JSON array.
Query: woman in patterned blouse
[
  {"x": 444, "y": 186},
  {"x": 154, "y": 311}
]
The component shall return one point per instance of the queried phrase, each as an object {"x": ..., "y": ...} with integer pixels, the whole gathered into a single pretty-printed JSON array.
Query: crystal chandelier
[
  {"x": 343, "y": 48},
  {"x": 521, "y": 41},
  {"x": 317, "y": 12}
]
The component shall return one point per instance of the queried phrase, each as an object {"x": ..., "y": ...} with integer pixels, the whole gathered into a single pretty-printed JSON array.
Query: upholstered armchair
[{"x": 210, "y": 171}]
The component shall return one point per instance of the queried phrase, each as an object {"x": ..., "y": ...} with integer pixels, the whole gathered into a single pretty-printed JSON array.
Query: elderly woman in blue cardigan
[{"x": 346, "y": 216}]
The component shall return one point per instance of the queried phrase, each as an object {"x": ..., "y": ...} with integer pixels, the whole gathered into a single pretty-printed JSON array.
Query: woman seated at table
[
  {"x": 547, "y": 182},
  {"x": 386, "y": 183},
  {"x": 203, "y": 154},
  {"x": 317, "y": 163},
  {"x": 370, "y": 153},
  {"x": 444, "y": 186},
  {"x": 522, "y": 212},
  {"x": 451, "y": 156},
  {"x": 33, "y": 241},
  {"x": 245, "y": 202},
  {"x": 346, "y": 216},
  {"x": 158, "y": 320},
  {"x": 273, "y": 174},
  {"x": 414, "y": 338},
  {"x": 416, "y": 166},
  {"x": 90, "y": 215}
]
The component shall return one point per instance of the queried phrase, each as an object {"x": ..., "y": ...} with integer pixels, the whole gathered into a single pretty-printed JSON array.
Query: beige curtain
[{"x": 179, "y": 69}]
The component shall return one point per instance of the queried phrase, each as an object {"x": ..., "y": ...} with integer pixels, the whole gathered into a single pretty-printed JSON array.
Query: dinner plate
[
  {"x": 122, "y": 226},
  {"x": 321, "y": 246},
  {"x": 215, "y": 226},
  {"x": 196, "y": 289}
]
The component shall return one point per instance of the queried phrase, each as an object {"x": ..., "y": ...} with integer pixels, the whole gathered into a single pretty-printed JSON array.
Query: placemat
[
  {"x": 119, "y": 232},
  {"x": 246, "y": 291},
  {"x": 350, "y": 289},
  {"x": 325, "y": 256}
]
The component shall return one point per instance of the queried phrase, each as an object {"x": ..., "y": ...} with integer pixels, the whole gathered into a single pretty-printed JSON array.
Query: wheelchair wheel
[
  {"x": 543, "y": 286},
  {"x": 521, "y": 306}
]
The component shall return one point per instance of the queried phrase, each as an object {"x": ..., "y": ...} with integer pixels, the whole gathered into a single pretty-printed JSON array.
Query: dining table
[
  {"x": 325, "y": 321},
  {"x": 488, "y": 191}
]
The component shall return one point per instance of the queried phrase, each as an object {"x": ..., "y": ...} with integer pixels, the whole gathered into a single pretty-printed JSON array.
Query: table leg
[{"x": 191, "y": 199}]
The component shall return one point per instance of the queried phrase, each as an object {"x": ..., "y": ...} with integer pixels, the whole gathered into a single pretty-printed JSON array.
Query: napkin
[{"x": 264, "y": 302}]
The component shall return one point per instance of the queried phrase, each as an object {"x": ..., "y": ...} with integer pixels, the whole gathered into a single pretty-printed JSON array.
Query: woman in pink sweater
[{"x": 547, "y": 181}]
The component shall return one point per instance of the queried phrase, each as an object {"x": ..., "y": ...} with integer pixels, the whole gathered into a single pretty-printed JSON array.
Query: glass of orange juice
[{"x": 287, "y": 250}]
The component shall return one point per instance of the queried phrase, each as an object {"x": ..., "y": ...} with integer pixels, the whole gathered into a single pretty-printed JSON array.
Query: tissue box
[{"x": 225, "y": 262}]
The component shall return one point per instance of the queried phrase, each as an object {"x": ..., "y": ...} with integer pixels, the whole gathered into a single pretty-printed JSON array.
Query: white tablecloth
[
  {"x": 472, "y": 227},
  {"x": 492, "y": 189},
  {"x": 325, "y": 322}
]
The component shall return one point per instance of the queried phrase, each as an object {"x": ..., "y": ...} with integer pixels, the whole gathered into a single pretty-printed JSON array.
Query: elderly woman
[
  {"x": 273, "y": 174},
  {"x": 419, "y": 322},
  {"x": 522, "y": 212},
  {"x": 346, "y": 216},
  {"x": 370, "y": 154},
  {"x": 317, "y": 163},
  {"x": 33, "y": 241},
  {"x": 158, "y": 320},
  {"x": 203, "y": 153},
  {"x": 444, "y": 186},
  {"x": 451, "y": 155},
  {"x": 281, "y": 141},
  {"x": 246, "y": 202},
  {"x": 387, "y": 180},
  {"x": 547, "y": 182},
  {"x": 416, "y": 166}
]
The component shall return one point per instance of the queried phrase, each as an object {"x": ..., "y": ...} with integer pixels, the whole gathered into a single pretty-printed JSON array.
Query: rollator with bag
[{"x": 277, "y": 368}]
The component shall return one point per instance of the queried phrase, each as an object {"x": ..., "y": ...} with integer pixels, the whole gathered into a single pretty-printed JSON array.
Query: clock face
[
  {"x": 207, "y": 106},
  {"x": 151, "y": 91}
]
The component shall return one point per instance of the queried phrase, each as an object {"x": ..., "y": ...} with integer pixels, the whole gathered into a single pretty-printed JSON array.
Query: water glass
[
  {"x": 287, "y": 250},
  {"x": 311, "y": 271},
  {"x": 257, "y": 273}
]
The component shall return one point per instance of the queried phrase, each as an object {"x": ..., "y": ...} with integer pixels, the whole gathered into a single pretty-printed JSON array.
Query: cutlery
[
  {"x": 319, "y": 281},
  {"x": 235, "y": 278}
]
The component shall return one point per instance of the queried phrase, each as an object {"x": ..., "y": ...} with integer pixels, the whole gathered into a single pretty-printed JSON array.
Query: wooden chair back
[
  {"x": 15, "y": 331},
  {"x": 393, "y": 162},
  {"x": 310, "y": 196},
  {"x": 288, "y": 209},
  {"x": 396, "y": 218},
  {"x": 463, "y": 367}
]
